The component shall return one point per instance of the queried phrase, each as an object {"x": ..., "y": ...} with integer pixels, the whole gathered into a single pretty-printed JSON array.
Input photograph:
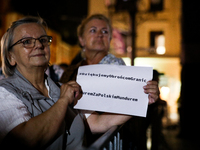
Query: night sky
[{"x": 62, "y": 16}]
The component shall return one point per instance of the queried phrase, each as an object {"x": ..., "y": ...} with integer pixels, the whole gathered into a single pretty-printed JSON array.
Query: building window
[
  {"x": 156, "y": 5},
  {"x": 157, "y": 42}
]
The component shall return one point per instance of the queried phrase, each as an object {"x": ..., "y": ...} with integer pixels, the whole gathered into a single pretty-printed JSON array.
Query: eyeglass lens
[{"x": 30, "y": 42}]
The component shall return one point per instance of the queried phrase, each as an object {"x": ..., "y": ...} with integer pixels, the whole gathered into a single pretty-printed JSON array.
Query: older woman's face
[
  {"x": 96, "y": 36},
  {"x": 25, "y": 58}
]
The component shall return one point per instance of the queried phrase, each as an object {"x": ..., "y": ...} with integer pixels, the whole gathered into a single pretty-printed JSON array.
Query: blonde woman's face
[{"x": 96, "y": 36}]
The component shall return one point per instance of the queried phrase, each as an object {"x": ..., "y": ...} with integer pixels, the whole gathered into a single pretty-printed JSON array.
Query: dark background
[{"x": 62, "y": 16}]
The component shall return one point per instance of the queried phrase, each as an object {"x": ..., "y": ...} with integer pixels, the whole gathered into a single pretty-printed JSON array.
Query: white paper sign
[{"x": 115, "y": 89}]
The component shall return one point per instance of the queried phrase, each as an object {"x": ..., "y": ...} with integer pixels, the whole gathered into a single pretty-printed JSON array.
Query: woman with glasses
[{"x": 34, "y": 112}]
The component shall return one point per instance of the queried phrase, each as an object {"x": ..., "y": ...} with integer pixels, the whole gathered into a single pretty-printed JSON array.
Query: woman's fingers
[
  {"x": 71, "y": 91},
  {"x": 152, "y": 89}
]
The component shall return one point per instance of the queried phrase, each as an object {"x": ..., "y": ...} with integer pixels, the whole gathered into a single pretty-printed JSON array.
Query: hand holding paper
[
  {"x": 115, "y": 89},
  {"x": 152, "y": 89}
]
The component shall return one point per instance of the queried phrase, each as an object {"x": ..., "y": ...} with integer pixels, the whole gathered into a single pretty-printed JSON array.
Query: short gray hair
[{"x": 7, "y": 41}]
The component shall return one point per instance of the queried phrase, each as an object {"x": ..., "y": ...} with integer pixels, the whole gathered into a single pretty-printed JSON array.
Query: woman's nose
[
  {"x": 100, "y": 34},
  {"x": 38, "y": 44}
]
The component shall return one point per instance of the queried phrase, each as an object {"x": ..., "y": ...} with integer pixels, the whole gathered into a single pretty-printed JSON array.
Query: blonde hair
[{"x": 81, "y": 27}]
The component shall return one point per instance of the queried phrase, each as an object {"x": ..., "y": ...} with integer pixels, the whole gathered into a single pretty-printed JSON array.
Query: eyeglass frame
[{"x": 20, "y": 41}]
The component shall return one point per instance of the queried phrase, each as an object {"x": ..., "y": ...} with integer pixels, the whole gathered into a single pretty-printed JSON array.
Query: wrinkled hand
[
  {"x": 71, "y": 92},
  {"x": 152, "y": 89}
]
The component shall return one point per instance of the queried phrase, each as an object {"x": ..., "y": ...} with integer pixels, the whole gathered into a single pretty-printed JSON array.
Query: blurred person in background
[
  {"x": 136, "y": 129},
  {"x": 155, "y": 114},
  {"x": 95, "y": 34}
]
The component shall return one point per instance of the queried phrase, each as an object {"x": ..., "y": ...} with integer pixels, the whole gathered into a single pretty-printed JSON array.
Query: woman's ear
[
  {"x": 11, "y": 59},
  {"x": 81, "y": 41}
]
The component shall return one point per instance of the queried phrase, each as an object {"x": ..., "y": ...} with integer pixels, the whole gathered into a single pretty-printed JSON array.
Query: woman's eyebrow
[
  {"x": 105, "y": 28},
  {"x": 25, "y": 36}
]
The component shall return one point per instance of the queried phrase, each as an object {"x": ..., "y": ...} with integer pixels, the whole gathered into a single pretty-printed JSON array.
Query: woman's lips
[{"x": 38, "y": 55}]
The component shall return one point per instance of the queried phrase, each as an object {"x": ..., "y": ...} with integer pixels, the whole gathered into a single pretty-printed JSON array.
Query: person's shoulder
[
  {"x": 111, "y": 59},
  {"x": 3, "y": 90},
  {"x": 11, "y": 83},
  {"x": 7, "y": 80}
]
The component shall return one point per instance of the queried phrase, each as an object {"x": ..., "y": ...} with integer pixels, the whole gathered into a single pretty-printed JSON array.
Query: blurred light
[
  {"x": 127, "y": 61},
  {"x": 160, "y": 50},
  {"x": 164, "y": 92},
  {"x": 174, "y": 117}
]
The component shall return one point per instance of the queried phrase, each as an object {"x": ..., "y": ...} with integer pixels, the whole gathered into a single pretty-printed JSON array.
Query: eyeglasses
[{"x": 29, "y": 42}]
